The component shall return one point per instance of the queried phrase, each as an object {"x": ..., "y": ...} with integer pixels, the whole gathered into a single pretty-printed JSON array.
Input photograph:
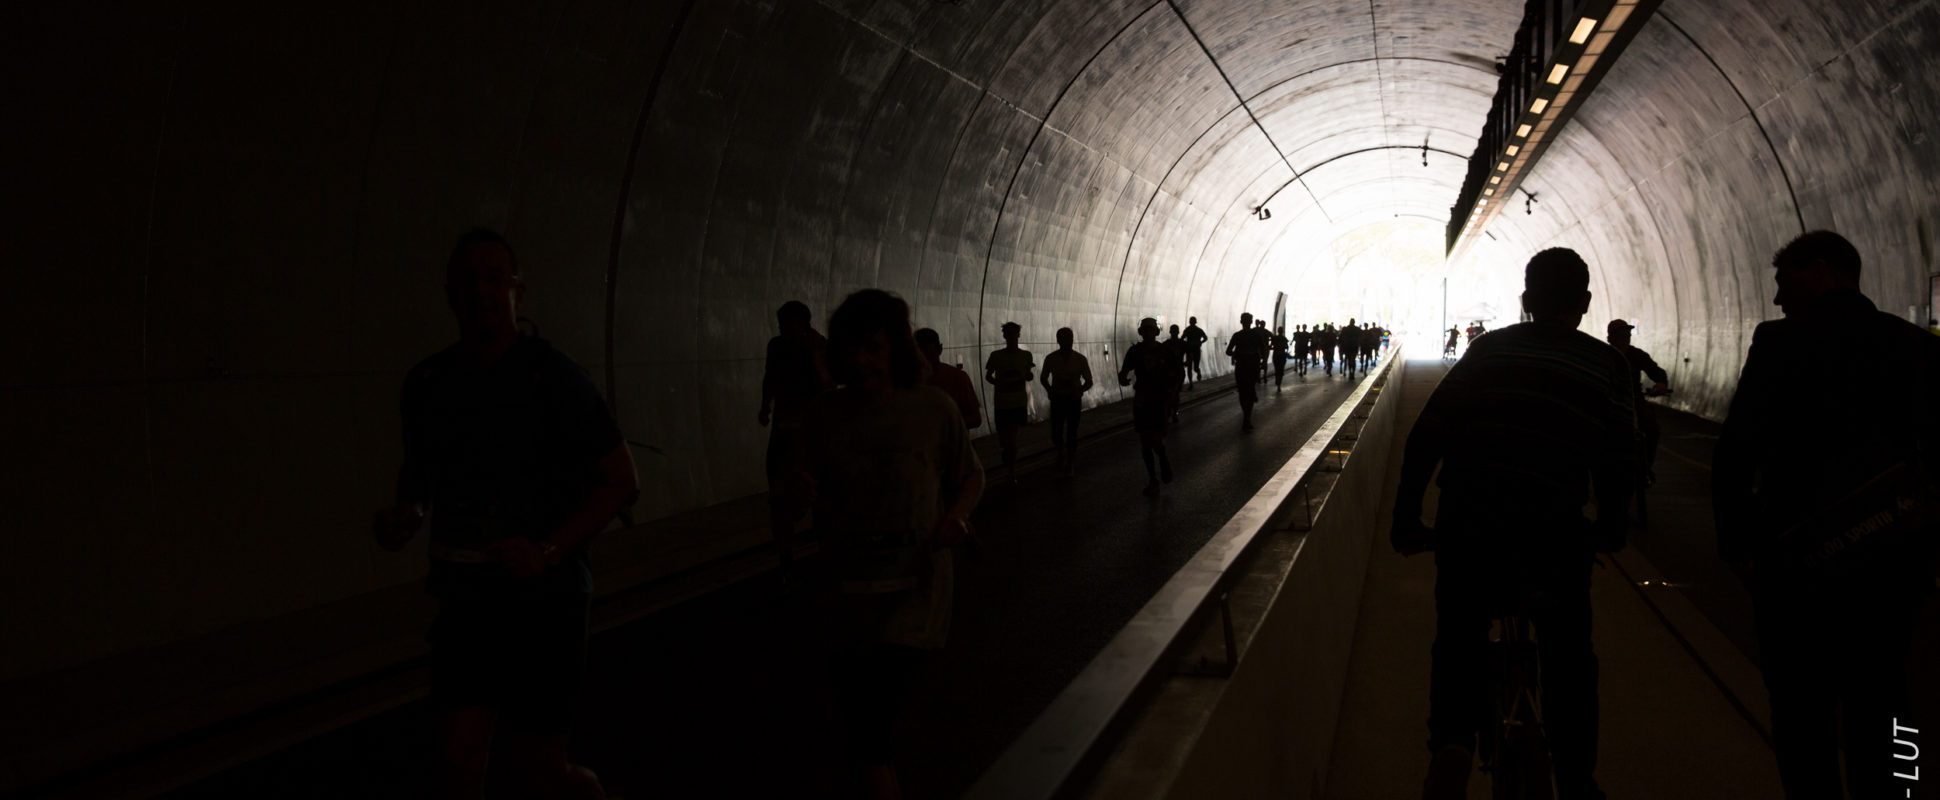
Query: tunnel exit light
[{"x": 1584, "y": 27}]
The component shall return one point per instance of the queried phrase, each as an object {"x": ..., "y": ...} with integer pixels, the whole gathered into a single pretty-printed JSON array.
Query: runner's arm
[{"x": 613, "y": 490}]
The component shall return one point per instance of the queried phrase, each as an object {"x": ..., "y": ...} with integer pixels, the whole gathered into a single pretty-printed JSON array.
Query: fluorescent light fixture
[
  {"x": 1514, "y": 148},
  {"x": 1496, "y": 179},
  {"x": 1584, "y": 27},
  {"x": 1522, "y": 131},
  {"x": 1487, "y": 192},
  {"x": 1482, "y": 202},
  {"x": 1538, "y": 106},
  {"x": 1502, "y": 167},
  {"x": 1557, "y": 73},
  {"x": 1617, "y": 16}
]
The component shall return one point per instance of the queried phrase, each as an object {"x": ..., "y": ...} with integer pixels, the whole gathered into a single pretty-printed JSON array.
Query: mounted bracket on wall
[
  {"x": 1560, "y": 52},
  {"x": 1262, "y": 213},
  {"x": 1528, "y": 202}
]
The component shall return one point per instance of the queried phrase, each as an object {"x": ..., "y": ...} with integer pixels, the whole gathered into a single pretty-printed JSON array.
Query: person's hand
[
  {"x": 764, "y": 416},
  {"x": 522, "y": 557},
  {"x": 1408, "y": 536},
  {"x": 393, "y": 527}
]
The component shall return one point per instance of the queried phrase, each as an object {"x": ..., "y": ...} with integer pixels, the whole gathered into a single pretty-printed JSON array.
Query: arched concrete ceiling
[{"x": 229, "y": 220}]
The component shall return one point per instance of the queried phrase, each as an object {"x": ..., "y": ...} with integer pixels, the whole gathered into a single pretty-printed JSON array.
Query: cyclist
[
  {"x": 1641, "y": 363},
  {"x": 1522, "y": 426}
]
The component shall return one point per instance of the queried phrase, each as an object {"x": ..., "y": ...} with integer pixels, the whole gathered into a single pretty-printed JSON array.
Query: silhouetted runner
[
  {"x": 1067, "y": 376},
  {"x": 1247, "y": 347},
  {"x": 953, "y": 380},
  {"x": 796, "y": 371},
  {"x": 510, "y": 449},
  {"x": 1009, "y": 370},
  {"x": 1195, "y": 339},
  {"x": 893, "y": 480},
  {"x": 1159, "y": 372}
]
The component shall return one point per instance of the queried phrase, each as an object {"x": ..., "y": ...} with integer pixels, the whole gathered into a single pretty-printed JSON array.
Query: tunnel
[{"x": 229, "y": 222}]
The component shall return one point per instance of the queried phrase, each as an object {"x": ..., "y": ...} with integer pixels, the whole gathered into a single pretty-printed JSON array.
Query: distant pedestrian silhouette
[
  {"x": 1009, "y": 370},
  {"x": 1159, "y": 373},
  {"x": 953, "y": 380},
  {"x": 1247, "y": 347},
  {"x": 1067, "y": 376},
  {"x": 1195, "y": 338},
  {"x": 796, "y": 372}
]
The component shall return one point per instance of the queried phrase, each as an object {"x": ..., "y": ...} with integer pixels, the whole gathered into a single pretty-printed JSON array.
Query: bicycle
[{"x": 1513, "y": 746}]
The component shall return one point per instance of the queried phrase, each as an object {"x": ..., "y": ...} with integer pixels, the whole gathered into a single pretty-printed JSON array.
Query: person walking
[
  {"x": 1195, "y": 337},
  {"x": 510, "y": 450},
  {"x": 1009, "y": 370},
  {"x": 1066, "y": 378},
  {"x": 1280, "y": 355},
  {"x": 1246, "y": 348},
  {"x": 952, "y": 379},
  {"x": 893, "y": 480},
  {"x": 796, "y": 371},
  {"x": 1157, "y": 368},
  {"x": 1824, "y": 492}
]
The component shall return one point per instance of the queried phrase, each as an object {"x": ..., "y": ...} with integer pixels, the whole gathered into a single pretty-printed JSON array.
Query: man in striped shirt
[{"x": 1522, "y": 426}]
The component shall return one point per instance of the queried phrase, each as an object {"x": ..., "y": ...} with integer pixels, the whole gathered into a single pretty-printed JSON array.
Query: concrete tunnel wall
[{"x": 229, "y": 222}]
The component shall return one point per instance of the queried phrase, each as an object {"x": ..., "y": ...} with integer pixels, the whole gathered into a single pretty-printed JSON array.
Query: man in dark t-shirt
[
  {"x": 1159, "y": 372},
  {"x": 510, "y": 448},
  {"x": 796, "y": 372}
]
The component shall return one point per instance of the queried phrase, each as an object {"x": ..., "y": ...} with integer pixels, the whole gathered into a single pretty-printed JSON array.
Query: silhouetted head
[
  {"x": 1064, "y": 338},
  {"x": 482, "y": 284},
  {"x": 1261, "y": 324},
  {"x": 1556, "y": 287},
  {"x": 1246, "y": 320},
  {"x": 1192, "y": 320},
  {"x": 1012, "y": 330},
  {"x": 1618, "y": 332},
  {"x": 794, "y": 317},
  {"x": 1282, "y": 330},
  {"x": 1810, "y": 266},
  {"x": 870, "y": 345},
  {"x": 1148, "y": 328},
  {"x": 929, "y": 344},
  {"x": 1172, "y": 332}
]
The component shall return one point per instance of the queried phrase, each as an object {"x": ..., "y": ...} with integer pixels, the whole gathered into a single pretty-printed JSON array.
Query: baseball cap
[{"x": 1616, "y": 324}]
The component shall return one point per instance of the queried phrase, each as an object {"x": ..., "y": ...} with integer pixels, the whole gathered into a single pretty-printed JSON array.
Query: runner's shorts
[{"x": 519, "y": 653}]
